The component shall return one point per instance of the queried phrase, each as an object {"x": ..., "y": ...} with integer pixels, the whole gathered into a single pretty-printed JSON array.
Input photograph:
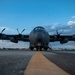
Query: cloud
[
  {"x": 73, "y": 16},
  {"x": 67, "y": 29},
  {"x": 71, "y": 22}
]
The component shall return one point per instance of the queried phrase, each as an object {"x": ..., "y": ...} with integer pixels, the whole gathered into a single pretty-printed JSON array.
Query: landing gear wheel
[
  {"x": 31, "y": 48},
  {"x": 45, "y": 49},
  {"x": 39, "y": 49}
]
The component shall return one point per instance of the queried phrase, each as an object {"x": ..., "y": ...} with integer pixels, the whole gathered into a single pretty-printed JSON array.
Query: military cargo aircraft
[{"x": 39, "y": 38}]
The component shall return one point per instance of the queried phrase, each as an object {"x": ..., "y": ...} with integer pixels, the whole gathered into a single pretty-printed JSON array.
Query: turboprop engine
[{"x": 12, "y": 39}]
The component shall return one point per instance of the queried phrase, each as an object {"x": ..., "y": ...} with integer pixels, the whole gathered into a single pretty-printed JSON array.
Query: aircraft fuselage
[{"x": 39, "y": 38}]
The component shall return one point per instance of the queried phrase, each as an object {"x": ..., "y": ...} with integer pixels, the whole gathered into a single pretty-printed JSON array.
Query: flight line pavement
[
  {"x": 40, "y": 65},
  {"x": 63, "y": 59},
  {"x": 15, "y": 62}
]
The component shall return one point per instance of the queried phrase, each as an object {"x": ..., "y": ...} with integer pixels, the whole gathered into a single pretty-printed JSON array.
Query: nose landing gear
[{"x": 38, "y": 48}]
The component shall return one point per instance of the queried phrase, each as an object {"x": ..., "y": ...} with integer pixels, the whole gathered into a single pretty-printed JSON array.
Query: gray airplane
[{"x": 39, "y": 38}]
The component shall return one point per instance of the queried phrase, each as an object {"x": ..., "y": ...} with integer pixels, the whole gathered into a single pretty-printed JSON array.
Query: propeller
[
  {"x": 58, "y": 34},
  {"x": 22, "y": 31},
  {"x": 18, "y": 31},
  {"x": 20, "y": 34}
]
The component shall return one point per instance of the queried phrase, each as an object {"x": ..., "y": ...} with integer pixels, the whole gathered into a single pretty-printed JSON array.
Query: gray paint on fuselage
[{"x": 39, "y": 35}]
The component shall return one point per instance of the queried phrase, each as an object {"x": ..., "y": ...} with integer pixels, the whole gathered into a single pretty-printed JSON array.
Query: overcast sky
[{"x": 51, "y": 14}]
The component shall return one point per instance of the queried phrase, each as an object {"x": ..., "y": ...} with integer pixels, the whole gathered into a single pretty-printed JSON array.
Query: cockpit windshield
[{"x": 39, "y": 28}]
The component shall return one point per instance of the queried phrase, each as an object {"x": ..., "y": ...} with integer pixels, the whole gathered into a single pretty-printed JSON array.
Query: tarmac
[
  {"x": 16, "y": 62},
  {"x": 40, "y": 65}
]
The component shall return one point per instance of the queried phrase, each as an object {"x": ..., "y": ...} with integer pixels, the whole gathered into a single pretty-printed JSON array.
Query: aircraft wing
[
  {"x": 62, "y": 38},
  {"x": 14, "y": 38}
]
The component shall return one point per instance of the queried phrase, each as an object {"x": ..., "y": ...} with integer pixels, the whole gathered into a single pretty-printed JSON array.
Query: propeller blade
[
  {"x": 57, "y": 32},
  {"x": 3, "y": 30},
  {"x": 62, "y": 31},
  {"x": 18, "y": 31},
  {"x": 22, "y": 31}
]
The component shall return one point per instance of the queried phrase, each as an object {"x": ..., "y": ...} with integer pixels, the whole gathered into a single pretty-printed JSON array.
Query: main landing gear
[{"x": 31, "y": 48}]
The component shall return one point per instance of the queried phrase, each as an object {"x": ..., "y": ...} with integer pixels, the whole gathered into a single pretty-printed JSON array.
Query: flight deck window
[{"x": 39, "y": 28}]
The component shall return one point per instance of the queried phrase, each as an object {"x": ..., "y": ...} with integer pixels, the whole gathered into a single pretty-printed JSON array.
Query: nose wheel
[{"x": 38, "y": 48}]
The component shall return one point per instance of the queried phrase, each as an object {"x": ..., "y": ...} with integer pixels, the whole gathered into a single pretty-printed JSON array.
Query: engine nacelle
[
  {"x": 12, "y": 39},
  {"x": 64, "y": 41},
  {"x": 73, "y": 37}
]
